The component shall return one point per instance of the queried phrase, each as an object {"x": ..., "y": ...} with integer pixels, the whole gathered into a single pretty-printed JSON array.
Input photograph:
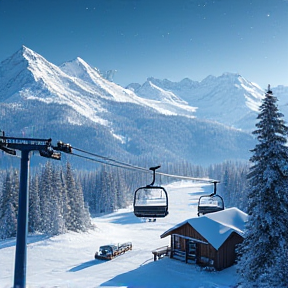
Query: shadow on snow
[
  {"x": 86, "y": 265},
  {"x": 123, "y": 218},
  {"x": 30, "y": 239}
]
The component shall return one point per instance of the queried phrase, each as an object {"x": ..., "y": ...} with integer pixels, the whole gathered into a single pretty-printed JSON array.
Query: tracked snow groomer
[{"x": 108, "y": 252}]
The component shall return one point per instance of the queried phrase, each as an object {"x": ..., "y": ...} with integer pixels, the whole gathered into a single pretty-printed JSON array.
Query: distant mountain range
[
  {"x": 202, "y": 122},
  {"x": 229, "y": 99}
]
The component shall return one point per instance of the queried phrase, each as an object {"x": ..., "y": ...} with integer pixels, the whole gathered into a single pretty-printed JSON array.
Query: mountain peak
[
  {"x": 79, "y": 61},
  {"x": 28, "y": 54},
  {"x": 16, "y": 57},
  {"x": 227, "y": 79},
  {"x": 80, "y": 69},
  {"x": 231, "y": 77},
  {"x": 25, "y": 49},
  {"x": 14, "y": 72}
]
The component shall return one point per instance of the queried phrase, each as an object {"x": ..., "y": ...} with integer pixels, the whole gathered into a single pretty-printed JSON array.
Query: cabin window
[
  {"x": 192, "y": 247},
  {"x": 177, "y": 243}
]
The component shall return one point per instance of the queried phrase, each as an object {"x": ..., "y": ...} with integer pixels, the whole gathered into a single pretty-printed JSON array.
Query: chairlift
[
  {"x": 151, "y": 201},
  {"x": 210, "y": 203}
]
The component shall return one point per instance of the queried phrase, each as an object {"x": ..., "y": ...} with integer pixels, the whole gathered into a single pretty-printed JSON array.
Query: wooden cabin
[{"x": 208, "y": 240}]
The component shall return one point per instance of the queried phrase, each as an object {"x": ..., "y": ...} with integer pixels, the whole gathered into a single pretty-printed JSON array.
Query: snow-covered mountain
[
  {"x": 29, "y": 76},
  {"x": 163, "y": 119},
  {"x": 229, "y": 99}
]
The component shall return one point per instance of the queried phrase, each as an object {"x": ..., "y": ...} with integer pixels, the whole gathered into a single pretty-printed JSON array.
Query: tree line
[
  {"x": 62, "y": 199},
  {"x": 56, "y": 202}
]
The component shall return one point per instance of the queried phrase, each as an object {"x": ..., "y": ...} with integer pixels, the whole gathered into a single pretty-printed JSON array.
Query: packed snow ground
[{"x": 67, "y": 261}]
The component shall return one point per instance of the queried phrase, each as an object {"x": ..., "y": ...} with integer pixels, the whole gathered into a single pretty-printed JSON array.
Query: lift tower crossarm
[{"x": 31, "y": 144}]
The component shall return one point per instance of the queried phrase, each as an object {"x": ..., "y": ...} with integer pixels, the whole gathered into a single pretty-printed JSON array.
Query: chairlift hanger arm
[
  {"x": 215, "y": 188},
  {"x": 154, "y": 172}
]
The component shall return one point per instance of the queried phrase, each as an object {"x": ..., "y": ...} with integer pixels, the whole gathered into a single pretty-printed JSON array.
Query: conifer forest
[{"x": 62, "y": 199}]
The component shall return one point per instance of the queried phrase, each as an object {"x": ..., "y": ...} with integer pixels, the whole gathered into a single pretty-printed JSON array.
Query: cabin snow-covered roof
[{"x": 216, "y": 227}]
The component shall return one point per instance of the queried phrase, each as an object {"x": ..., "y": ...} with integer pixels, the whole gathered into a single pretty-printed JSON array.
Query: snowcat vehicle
[{"x": 108, "y": 252}]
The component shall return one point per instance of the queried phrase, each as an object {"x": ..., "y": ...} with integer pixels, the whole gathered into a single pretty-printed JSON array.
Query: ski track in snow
[{"x": 67, "y": 261}]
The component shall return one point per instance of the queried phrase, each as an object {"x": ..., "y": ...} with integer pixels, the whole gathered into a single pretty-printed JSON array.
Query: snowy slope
[
  {"x": 68, "y": 260},
  {"x": 281, "y": 92},
  {"x": 168, "y": 99}
]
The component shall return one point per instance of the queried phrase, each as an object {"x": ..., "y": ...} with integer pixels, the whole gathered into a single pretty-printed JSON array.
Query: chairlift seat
[
  {"x": 151, "y": 202},
  {"x": 209, "y": 204},
  {"x": 151, "y": 211}
]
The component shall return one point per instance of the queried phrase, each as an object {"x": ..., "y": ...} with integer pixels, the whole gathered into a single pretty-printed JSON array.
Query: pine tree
[
  {"x": 8, "y": 223},
  {"x": 45, "y": 192},
  {"x": 78, "y": 216},
  {"x": 121, "y": 189},
  {"x": 105, "y": 186},
  {"x": 64, "y": 200},
  {"x": 9, "y": 205},
  {"x": 58, "y": 202},
  {"x": 263, "y": 253},
  {"x": 34, "y": 223}
]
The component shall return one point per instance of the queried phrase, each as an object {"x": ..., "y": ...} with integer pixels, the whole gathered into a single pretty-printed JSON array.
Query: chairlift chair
[
  {"x": 210, "y": 203},
  {"x": 151, "y": 201}
]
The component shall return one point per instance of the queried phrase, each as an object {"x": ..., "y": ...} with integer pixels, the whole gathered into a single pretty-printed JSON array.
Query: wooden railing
[{"x": 160, "y": 252}]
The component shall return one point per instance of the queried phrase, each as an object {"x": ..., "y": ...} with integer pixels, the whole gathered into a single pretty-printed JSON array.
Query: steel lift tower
[{"x": 26, "y": 145}]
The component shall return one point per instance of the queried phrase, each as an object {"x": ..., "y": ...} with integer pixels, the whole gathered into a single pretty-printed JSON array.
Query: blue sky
[{"x": 170, "y": 39}]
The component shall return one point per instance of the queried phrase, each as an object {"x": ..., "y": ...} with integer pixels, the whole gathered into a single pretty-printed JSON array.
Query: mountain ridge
[
  {"x": 39, "y": 98},
  {"x": 243, "y": 97}
]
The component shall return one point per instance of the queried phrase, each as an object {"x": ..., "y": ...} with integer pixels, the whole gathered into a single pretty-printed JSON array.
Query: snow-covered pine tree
[
  {"x": 15, "y": 189},
  {"x": 9, "y": 205},
  {"x": 78, "y": 216},
  {"x": 8, "y": 223},
  {"x": 107, "y": 199},
  {"x": 34, "y": 223},
  {"x": 45, "y": 192},
  {"x": 263, "y": 253},
  {"x": 121, "y": 189},
  {"x": 57, "y": 200},
  {"x": 64, "y": 201}
]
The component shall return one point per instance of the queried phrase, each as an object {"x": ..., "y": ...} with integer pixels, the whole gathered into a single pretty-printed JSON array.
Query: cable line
[
  {"x": 113, "y": 160},
  {"x": 188, "y": 177},
  {"x": 132, "y": 167}
]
